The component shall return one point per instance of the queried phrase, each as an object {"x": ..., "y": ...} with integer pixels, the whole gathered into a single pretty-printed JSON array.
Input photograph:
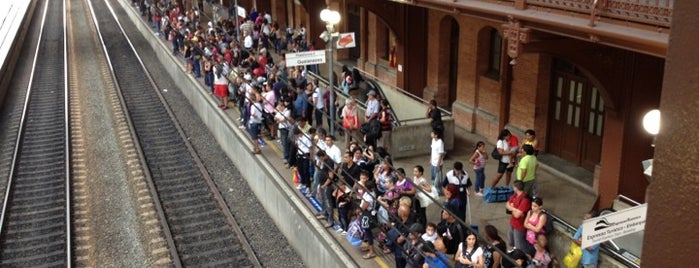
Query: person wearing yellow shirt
[{"x": 526, "y": 170}]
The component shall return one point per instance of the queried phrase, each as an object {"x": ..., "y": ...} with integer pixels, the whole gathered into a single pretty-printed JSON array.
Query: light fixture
[
  {"x": 651, "y": 122},
  {"x": 331, "y": 17}
]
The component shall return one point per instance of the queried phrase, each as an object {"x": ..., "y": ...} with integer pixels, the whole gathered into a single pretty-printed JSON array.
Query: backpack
[
  {"x": 496, "y": 154},
  {"x": 548, "y": 226},
  {"x": 487, "y": 257},
  {"x": 355, "y": 233}
]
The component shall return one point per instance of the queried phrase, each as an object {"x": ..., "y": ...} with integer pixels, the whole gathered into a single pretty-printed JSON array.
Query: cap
[
  {"x": 416, "y": 228},
  {"x": 210, "y": 24},
  {"x": 371, "y": 93}
]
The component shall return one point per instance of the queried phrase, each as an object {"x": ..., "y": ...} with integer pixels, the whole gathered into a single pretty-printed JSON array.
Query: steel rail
[
  {"x": 218, "y": 199},
  {"x": 32, "y": 207},
  {"x": 146, "y": 173}
]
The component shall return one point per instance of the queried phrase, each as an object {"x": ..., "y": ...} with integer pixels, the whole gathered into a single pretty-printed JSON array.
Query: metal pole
[{"x": 331, "y": 105}]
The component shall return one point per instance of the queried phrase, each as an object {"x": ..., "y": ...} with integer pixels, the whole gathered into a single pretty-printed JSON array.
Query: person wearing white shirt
[
  {"x": 333, "y": 151},
  {"x": 281, "y": 116},
  {"x": 303, "y": 145},
  {"x": 247, "y": 41},
  {"x": 504, "y": 149},
  {"x": 318, "y": 103},
  {"x": 436, "y": 160},
  {"x": 256, "y": 122},
  {"x": 372, "y": 106}
]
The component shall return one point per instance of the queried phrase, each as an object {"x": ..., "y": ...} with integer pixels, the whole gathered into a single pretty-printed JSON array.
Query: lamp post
[{"x": 330, "y": 17}]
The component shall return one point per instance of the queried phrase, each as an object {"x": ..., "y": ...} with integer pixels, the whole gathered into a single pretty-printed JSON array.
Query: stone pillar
[{"x": 670, "y": 233}]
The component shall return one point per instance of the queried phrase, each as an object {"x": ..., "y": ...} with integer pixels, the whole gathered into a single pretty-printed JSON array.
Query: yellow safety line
[
  {"x": 273, "y": 145},
  {"x": 380, "y": 262}
]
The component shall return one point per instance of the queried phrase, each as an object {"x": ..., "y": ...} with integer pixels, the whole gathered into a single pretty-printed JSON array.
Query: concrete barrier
[
  {"x": 298, "y": 224},
  {"x": 12, "y": 47}
]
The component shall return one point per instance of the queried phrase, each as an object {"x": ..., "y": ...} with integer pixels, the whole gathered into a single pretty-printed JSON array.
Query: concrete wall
[{"x": 291, "y": 216}]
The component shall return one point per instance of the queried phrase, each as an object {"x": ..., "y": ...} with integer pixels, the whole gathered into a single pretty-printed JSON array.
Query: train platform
[
  {"x": 14, "y": 18},
  {"x": 563, "y": 194}
]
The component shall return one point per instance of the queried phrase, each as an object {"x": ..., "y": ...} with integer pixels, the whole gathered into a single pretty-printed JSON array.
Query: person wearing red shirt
[{"x": 517, "y": 206}]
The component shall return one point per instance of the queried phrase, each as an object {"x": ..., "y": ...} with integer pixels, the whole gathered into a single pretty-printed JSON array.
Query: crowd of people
[{"x": 377, "y": 204}]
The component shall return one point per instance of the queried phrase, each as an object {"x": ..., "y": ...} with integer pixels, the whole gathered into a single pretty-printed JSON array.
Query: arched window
[{"x": 494, "y": 55}]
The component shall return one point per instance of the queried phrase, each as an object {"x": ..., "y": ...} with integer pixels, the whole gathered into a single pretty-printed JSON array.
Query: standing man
[
  {"x": 372, "y": 106},
  {"x": 436, "y": 160},
  {"x": 332, "y": 150},
  {"x": 372, "y": 118},
  {"x": 458, "y": 177},
  {"x": 590, "y": 255},
  {"x": 526, "y": 170},
  {"x": 318, "y": 103},
  {"x": 303, "y": 147},
  {"x": 517, "y": 206}
]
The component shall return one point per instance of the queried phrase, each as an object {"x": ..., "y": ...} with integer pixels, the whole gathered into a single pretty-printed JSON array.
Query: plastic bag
[{"x": 572, "y": 259}]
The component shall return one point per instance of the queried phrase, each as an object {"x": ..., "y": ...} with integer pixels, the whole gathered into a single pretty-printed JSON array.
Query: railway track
[
  {"x": 196, "y": 222},
  {"x": 35, "y": 222}
]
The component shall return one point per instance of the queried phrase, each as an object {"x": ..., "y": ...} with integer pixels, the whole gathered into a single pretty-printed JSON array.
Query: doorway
[{"x": 577, "y": 117}]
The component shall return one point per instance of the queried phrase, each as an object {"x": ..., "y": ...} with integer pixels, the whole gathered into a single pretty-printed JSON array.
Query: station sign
[
  {"x": 305, "y": 58},
  {"x": 607, "y": 227},
  {"x": 346, "y": 40}
]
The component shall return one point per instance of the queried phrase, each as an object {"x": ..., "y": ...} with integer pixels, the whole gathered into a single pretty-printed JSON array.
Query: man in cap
[{"x": 372, "y": 106}]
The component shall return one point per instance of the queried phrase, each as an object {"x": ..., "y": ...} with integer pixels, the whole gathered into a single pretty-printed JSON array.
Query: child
[
  {"x": 430, "y": 234},
  {"x": 478, "y": 159},
  {"x": 513, "y": 141}
]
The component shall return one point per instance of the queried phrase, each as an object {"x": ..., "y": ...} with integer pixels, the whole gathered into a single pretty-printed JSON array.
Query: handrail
[
  {"x": 411, "y": 95},
  {"x": 603, "y": 247},
  {"x": 338, "y": 91},
  {"x": 627, "y": 199}
]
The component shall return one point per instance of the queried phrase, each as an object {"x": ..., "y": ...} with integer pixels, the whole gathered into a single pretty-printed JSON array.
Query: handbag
[
  {"x": 424, "y": 197},
  {"x": 496, "y": 154},
  {"x": 350, "y": 122},
  {"x": 572, "y": 258}
]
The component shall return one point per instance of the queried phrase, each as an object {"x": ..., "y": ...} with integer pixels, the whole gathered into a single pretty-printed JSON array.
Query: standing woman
[
  {"x": 220, "y": 86},
  {"x": 270, "y": 100},
  {"x": 534, "y": 223},
  {"x": 495, "y": 241},
  {"x": 479, "y": 159},
  {"x": 469, "y": 254},
  {"x": 530, "y": 139},
  {"x": 208, "y": 73},
  {"x": 256, "y": 111},
  {"x": 350, "y": 119},
  {"x": 386, "y": 121}
]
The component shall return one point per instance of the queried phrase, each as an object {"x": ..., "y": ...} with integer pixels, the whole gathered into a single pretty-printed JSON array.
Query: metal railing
[
  {"x": 651, "y": 12},
  {"x": 377, "y": 81}
]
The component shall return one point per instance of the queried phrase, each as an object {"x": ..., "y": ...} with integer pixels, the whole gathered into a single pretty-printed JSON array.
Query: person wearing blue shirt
[
  {"x": 434, "y": 258},
  {"x": 590, "y": 255},
  {"x": 301, "y": 103}
]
